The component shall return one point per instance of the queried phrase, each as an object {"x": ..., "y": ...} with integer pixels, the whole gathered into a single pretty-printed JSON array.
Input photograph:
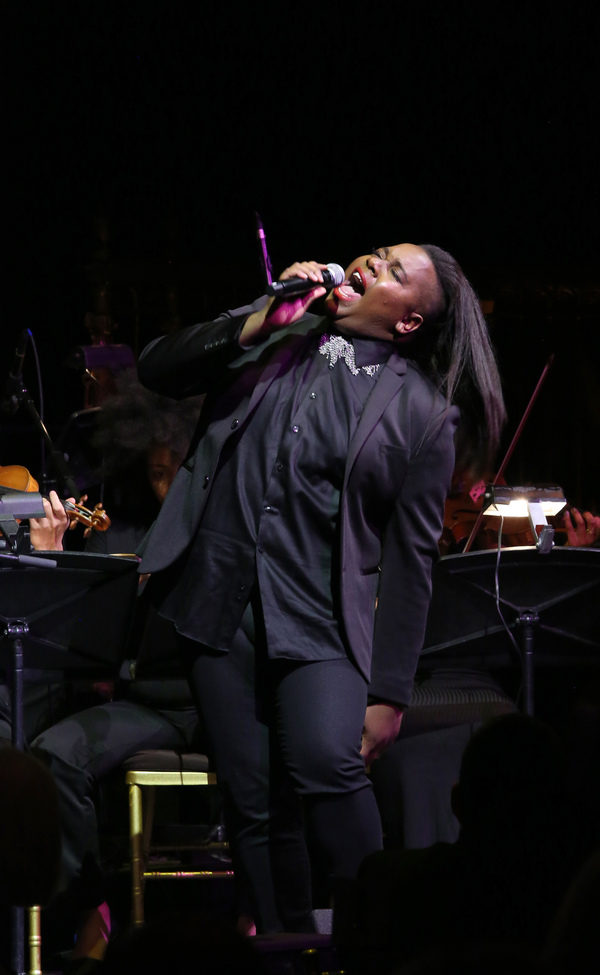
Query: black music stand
[
  {"x": 67, "y": 614},
  {"x": 551, "y": 602}
]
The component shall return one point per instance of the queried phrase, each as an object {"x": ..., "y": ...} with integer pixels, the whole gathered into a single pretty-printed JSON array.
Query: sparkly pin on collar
[{"x": 336, "y": 347}]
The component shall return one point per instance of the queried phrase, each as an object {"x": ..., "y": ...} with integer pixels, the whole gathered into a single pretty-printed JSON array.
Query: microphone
[
  {"x": 264, "y": 254},
  {"x": 332, "y": 276},
  {"x": 10, "y": 403}
]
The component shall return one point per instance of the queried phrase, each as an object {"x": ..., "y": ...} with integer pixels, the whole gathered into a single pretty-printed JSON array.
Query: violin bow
[{"x": 512, "y": 446}]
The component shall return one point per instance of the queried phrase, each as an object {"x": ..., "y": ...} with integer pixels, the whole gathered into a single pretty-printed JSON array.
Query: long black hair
[{"x": 454, "y": 349}]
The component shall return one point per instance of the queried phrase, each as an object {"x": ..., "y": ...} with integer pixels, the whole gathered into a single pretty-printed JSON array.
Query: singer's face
[{"x": 385, "y": 295}]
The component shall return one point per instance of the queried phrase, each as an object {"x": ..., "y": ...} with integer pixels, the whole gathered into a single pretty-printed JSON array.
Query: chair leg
[
  {"x": 137, "y": 862},
  {"x": 35, "y": 941},
  {"x": 150, "y": 795}
]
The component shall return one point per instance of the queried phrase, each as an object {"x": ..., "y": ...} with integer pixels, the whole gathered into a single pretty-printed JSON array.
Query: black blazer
[{"x": 397, "y": 476}]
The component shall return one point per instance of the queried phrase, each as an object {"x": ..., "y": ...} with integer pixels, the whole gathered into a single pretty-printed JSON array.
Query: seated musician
[{"x": 144, "y": 438}]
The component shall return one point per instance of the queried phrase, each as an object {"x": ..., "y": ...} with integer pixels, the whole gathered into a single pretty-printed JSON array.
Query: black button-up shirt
[{"x": 272, "y": 514}]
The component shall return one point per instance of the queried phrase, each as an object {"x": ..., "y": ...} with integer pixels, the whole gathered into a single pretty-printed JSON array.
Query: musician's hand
[
  {"x": 280, "y": 312},
  {"x": 581, "y": 529},
  {"x": 382, "y": 726},
  {"x": 46, "y": 534}
]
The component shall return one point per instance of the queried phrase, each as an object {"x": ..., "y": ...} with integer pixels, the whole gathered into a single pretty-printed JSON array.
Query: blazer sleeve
[
  {"x": 409, "y": 551},
  {"x": 185, "y": 363}
]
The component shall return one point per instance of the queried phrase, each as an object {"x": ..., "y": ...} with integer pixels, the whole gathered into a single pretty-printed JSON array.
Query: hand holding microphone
[
  {"x": 298, "y": 286},
  {"x": 332, "y": 275}
]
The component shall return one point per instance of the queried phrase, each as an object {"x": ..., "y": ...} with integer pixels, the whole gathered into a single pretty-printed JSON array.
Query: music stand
[
  {"x": 75, "y": 620},
  {"x": 551, "y": 602}
]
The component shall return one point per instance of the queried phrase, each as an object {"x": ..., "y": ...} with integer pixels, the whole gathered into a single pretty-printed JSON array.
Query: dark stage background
[{"x": 142, "y": 136}]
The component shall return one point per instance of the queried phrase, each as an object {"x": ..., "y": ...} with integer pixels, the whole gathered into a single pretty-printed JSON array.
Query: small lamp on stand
[{"x": 521, "y": 502}]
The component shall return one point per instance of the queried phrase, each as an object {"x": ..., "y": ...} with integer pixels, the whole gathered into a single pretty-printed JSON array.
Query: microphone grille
[{"x": 337, "y": 274}]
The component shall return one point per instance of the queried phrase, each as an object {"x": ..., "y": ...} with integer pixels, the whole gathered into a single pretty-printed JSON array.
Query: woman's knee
[{"x": 326, "y": 768}]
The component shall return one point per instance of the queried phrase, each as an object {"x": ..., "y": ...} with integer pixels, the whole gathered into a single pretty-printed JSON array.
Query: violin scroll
[{"x": 95, "y": 518}]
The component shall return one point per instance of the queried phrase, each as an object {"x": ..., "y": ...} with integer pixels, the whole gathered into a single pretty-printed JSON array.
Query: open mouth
[{"x": 353, "y": 288}]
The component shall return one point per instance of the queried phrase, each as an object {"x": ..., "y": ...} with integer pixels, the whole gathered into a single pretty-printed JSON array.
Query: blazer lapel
[{"x": 389, "y": 382}]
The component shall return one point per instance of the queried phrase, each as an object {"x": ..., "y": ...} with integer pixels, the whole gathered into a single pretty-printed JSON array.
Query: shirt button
[
  {"x": 242, "y": 589},
  {"x": 313, "y": 395},
  {"x": 206, "y": 480},
  {"x": 260, "y": 549},
  {"x": 234, "y": 424},
  {"x": 280, "y": 468},
  {"x": 268, "y": 507},
  {"x": 295, "y": 429}
]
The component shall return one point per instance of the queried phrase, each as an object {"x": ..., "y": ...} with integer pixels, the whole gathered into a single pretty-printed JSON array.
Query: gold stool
[{"x": 147, "y": 770}]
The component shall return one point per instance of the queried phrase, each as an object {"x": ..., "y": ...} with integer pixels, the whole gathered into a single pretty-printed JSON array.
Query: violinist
[
  {"x": 46, "y": 534},
  {"x": 143, "y": 438}
]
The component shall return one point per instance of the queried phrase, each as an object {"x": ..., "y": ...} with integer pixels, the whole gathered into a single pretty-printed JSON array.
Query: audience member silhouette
[
  {"x": 29, "y": 830},
  {"x": 486, "y": 959},
  {"x": 574, "y": 942},
  {"x": 29, "y": 837},
  {"x": 143, "y": 438},
  {"x": 184, "y": 943},
  {"x": 503, "y": 879}
]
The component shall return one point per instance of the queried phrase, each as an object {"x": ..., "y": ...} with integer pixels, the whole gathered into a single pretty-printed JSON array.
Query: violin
[{"x": 19, "y": 479}]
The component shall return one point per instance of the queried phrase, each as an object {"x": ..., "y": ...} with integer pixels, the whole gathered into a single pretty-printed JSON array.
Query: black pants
[
  {"x": 281, "y": 730},
  {"x": 84, "y": 748}
]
